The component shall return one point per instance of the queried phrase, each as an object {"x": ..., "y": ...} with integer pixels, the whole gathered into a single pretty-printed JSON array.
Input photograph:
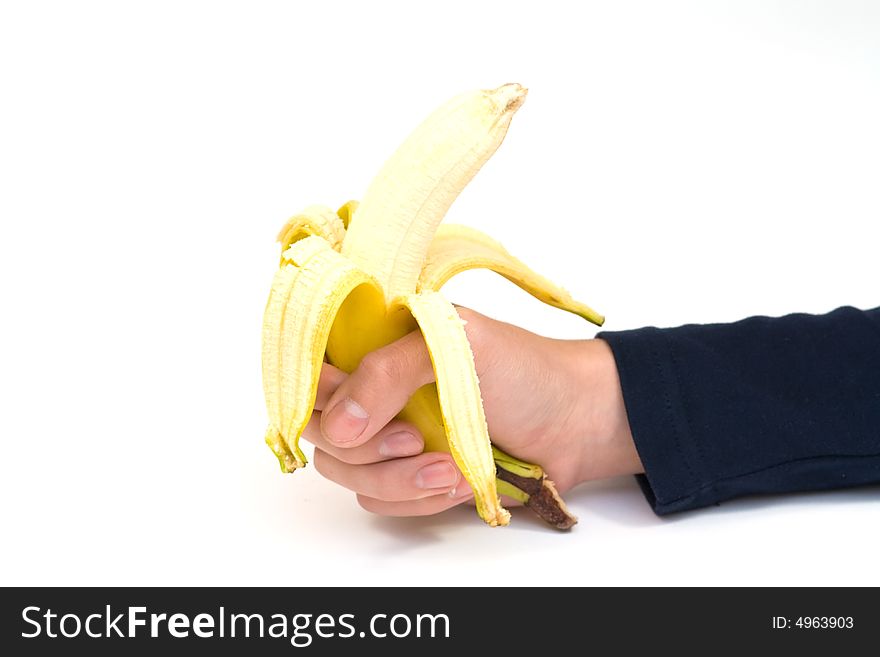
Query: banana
[
  {"x": 355, "y": 280},
  {"x": 412, "y": 192}
]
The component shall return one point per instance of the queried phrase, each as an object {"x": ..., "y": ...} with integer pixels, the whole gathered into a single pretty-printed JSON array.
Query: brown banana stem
[{"x": 543, "y": 498}]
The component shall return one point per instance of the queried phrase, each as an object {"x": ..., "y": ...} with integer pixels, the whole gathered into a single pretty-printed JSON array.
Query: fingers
[
  {"x": 397, "y": 480},
  {"x": 331, "y": 378},
  {"x": 376, "y": 391},
  {"x": 382, "y": 459},
  {"x": 424, "y": 507},
  {"x": 395, "y": 440}
]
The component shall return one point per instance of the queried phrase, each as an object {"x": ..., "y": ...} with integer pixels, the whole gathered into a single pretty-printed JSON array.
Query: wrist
[{"x": 604, "y": 439}]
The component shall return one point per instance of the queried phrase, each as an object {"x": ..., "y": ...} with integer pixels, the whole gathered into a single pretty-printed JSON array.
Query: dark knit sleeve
[{"x": 763, "y": 405}]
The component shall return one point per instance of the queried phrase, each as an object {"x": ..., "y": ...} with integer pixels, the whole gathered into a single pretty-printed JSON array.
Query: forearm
[{"x": 758, "y": 406}]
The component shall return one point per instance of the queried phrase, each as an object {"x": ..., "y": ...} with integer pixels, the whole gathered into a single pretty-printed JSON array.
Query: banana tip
[{"x": 510, "y": 96}]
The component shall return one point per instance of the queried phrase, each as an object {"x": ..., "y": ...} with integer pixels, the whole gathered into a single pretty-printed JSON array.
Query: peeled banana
[{"x": 354, "y": 280}]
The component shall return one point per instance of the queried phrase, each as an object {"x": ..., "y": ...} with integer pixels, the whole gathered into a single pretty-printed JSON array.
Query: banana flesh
[{"x": 354, "y": 280}]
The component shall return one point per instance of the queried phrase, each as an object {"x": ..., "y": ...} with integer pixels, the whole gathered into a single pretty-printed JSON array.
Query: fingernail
[
  {"x": 345, "y": 421},
  {"x": 437, "y": 475},
  {"x": 461, "y": 491},
  {"x": 401, "y": 443}
]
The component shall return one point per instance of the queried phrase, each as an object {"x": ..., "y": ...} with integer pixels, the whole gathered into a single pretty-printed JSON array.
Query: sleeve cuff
[{"x": 675, "y": 477}]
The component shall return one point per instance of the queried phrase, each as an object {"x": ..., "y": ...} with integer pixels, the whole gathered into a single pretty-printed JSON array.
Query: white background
[{"x": 675, "y": 162}]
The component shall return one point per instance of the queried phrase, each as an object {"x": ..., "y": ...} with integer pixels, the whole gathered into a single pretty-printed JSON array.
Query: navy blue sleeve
[{"x": 763, "y": 405}]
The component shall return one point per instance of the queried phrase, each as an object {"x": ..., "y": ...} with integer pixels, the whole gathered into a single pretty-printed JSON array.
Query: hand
[{"x": 557, "y": 403}]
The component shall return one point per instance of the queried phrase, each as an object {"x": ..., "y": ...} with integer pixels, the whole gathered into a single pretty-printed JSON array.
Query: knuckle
[
  {"x": 473, "y": 327},
  {"x": 384, "y": 364},
  {"x": 466, "y": 313}
]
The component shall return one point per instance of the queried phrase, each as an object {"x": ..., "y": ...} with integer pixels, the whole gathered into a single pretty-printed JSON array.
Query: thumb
[{"x": 376, "y": 391}]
